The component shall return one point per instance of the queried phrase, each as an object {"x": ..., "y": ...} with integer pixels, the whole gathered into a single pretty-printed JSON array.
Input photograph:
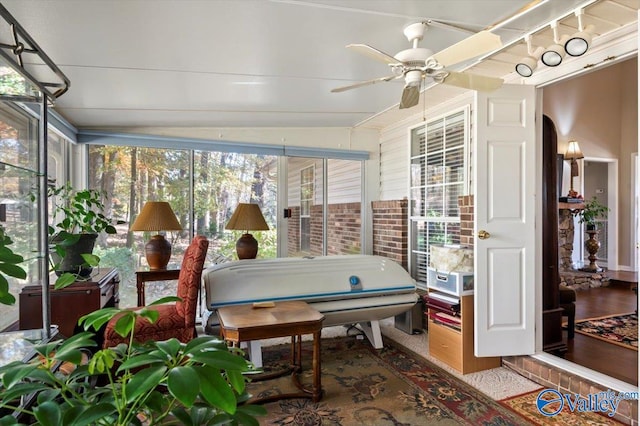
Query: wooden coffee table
[{"x": 244, "y": 323}]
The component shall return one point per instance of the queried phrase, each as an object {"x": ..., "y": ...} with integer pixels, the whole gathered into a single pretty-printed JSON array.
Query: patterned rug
[
  {"x": 621, "y": 329},
  {"x": 526, "y": 406},
  {"x": 364, "y": 386}
]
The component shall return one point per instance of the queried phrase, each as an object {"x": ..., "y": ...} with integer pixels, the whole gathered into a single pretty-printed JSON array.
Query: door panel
[{"x": 505, "y": 204}]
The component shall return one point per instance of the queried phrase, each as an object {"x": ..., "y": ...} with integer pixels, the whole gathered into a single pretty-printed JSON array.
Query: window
[
  {"x": 306, "y": 201},
  {"x": 437, "y": 178},
  {"x": 219, "y": 180}
]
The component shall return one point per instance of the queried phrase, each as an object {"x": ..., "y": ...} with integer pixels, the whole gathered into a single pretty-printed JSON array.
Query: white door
[{"x": 505, "y": 186}]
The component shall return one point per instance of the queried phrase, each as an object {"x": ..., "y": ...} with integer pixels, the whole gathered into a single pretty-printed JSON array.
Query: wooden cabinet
[
  {"x": 453, "y": 344},
  {"x": 70, "y": 303}
]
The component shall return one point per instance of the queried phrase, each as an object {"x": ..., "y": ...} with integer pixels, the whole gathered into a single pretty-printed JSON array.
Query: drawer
[
  {"x": 445, "y": 344},
  {"x": 107, "y": 293}
]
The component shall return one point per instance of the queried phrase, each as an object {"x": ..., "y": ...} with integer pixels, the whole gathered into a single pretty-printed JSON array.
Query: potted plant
[
  {"x": 592, "y": 210},
  {"x": 79, "y": 219},
  {"x": 165, "y": 382},
  {"x": 9, "y": 267}
]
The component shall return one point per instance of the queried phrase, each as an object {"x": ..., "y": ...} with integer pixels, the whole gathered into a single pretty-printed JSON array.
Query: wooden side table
[
  {"x": 244, "y": 323},
  {"x": 70, "y": 303},
  {"x": 144, "y": 276}
]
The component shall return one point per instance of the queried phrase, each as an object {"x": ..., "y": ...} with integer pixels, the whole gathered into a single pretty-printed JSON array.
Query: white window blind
[{"x": 437, "y": 179}]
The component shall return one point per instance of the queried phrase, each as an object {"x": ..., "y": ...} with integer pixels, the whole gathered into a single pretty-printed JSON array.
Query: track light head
[
  {"x": 578, "y": 44},
  {"x": 554, "y": 54},
  {"x": 528, "y": 64}
]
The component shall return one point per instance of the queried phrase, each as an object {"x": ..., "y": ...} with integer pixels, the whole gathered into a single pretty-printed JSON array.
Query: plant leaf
[
  {"x": 91, "y": 413},
  {"x": 7, "y": 299},
  {"x": 7, "y": 255},
  {"x": 215, "y": 390},
  {"x": 139, "y": 361},
  {"x": 13, "y": 270},
  {"x": 14, "y": 372},
  {"x": 204, "y": 343},
  {"x": 98, "y": 318},
  {"x": 64, "y": 280},
  {"x": 143, "y": 381},
  {"x": 170, "y": 347},
  {"x": 237, "y": 380},
  {"x": 163, "y": 300},
  {"x": 19, "y": 390},
  {"x": 243, "y": 418},
  {"x": 91, "y": 259},
  {"x": 48, "y": 414},
  {"x": 253, "y": 410},
  {"x": 222, "y": 360},
  {"x": 125, "y": 324},
  {"x": 183, "y": 384}
]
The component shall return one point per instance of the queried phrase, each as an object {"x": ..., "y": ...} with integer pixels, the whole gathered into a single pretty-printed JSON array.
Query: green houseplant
[
  {"x": 79, "y": 219},
  {"x": 592, "y": 210},
  {"x": 202, "y": 382},
  {"x": 9, "y": 267}
]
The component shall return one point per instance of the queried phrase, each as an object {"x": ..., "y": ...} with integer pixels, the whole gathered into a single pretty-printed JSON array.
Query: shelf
[{"x": 571, "y": 206}]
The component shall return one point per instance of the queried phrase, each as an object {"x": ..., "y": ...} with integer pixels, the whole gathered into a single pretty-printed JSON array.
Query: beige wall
[{"x": 600, "y": 111}]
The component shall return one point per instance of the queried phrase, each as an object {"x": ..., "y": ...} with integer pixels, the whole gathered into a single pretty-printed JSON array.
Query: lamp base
[
  {"x": 247, "y": 247},
  {"x": 158, "y": 252}
]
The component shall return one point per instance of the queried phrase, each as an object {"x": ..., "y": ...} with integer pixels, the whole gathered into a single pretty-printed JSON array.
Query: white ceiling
[{"x": 247, "y": 63}]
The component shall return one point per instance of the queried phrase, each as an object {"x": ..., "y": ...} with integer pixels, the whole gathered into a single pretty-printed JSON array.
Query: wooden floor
[{"x": 612, "y": 360}]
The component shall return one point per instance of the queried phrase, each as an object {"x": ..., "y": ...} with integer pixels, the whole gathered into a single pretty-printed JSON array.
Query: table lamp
[
  {"x": 247, "y": 217},
  {"x": 573, "y": 153},
  {"x": 157, "y": 216}
]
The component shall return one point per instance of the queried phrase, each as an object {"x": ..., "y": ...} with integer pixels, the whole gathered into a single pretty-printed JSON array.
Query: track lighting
[
  {"x": 577, "y": 44},
  {"x": 553, "y": 55},
  {"x": 528, "y": 64}
]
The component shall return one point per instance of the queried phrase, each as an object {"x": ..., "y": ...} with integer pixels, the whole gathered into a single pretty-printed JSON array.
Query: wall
[{"x": 600, "y": 110}]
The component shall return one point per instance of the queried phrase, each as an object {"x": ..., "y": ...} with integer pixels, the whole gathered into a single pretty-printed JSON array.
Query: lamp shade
[
  {"x": 573, "y": 151},
  {"x": 156, "y": 216},
  {"x": 247, "y": 217}
]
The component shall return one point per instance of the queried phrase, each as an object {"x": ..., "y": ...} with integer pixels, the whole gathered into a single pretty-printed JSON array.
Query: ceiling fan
[{"x": 418, "y": 63}]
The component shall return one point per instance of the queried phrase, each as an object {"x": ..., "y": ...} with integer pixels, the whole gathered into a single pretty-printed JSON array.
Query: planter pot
[{"x": 73, "y": 261}]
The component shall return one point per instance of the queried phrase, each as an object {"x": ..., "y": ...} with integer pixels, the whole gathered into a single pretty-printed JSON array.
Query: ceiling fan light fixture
[{"x": 413, "y": 78}]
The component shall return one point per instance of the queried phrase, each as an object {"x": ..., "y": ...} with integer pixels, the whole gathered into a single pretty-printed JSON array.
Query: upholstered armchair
[{"x": 174, "y": 320}]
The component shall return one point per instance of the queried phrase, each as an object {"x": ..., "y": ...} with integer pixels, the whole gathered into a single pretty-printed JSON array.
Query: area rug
[
  {"x": 365, "y": 386},
  {"x": 620, "y": 329},
  {"x": 526, "y": 406}
]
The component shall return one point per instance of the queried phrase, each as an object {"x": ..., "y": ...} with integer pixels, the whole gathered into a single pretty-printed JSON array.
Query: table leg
[
  {"x": 140, "y": 290},
  {"x": 317, "y": 368}
]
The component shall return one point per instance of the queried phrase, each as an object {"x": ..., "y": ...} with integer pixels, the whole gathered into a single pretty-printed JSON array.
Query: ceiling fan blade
[
  {"x": 470, "y": 47},
  {"x": 410, "y": 96},
  {"x": 373, "y": 53},
  {"x": 473, "y": 81},
  {"x": 364, "y": 83}
]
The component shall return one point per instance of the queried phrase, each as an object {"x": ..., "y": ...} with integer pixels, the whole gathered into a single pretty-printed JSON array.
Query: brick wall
[
  {"x": 390, "y": 230},
  {"x": 293, "y": 231},
  {"x": 344, "y": 229},
  {"x": 465, "y": 203}
]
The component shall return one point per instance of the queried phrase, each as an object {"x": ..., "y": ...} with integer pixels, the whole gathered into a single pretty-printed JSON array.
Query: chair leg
[{"x": 571, "y": 325}]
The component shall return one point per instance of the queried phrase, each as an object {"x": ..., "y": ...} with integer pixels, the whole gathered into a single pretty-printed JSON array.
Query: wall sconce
[
  {"x": 553, "y": 55},
  {"x": 573, "y": 153},
  {"x": 247, "y": 217},
  {"x": 157, "y": 216},
  {"x": 528, "y": 64},
  {"x": 579, "y": 43}
]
